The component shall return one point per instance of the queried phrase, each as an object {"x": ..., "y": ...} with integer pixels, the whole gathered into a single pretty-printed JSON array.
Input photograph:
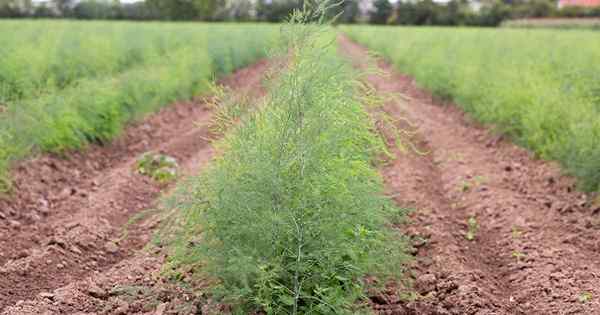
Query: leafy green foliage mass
[
  {"x": 76, "y": 83},
  {"x": 291, "y": 217},
  {"x": 160, "y": 167},
  {"x": 541, "y": 87}
]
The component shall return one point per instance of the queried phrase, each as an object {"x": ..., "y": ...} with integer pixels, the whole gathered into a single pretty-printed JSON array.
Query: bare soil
[
  {"x": 69, "y": 229},
  {"x": 536, "y": 245}
]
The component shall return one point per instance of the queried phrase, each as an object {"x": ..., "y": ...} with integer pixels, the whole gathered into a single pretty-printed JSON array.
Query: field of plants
[
  {"x": 539, "y": 86},
  {"x": 66, "y": 84},
  {"x": 555, "y": 23},
  {"x": 291, "y": 212},
  {"x": 297, "y": 168}
]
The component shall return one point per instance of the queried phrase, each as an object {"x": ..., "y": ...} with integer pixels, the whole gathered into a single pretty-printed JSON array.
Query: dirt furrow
[
  {"x": 534, "y": 248},
  {"x": 81, "y": 234}
]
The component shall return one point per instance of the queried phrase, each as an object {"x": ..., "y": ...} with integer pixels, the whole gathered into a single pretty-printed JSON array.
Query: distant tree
[
  {"x": 236, "y": 10},
  {"x": 493, "y": 14},
  {"x": 428, "y": 12},
  {"x": 15, "y": 8},
  {"x": 534, "y": 8},
  {"x": 95, "y": 9},
  {"x": 136, "y": 11},
  {"x": 277, "y": 10},
  {"x": 64, "y": 7},
  {"x": 347, "y": 11},
  {"x": 207, "y": 10},
  {"x": 43, "y": 11},
  {"x": 454, "y": 13},
  {"x": 173, "y": 9},
  {"x": 382, "y": 10}
]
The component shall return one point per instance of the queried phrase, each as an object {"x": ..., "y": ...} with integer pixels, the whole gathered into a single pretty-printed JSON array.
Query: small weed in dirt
[
  {"x": 518, "y": 255},
  {"x": 516, "y": 232},
  {"x": 480, "y": 180},
  {"x": 129, "y": 290},
  {"x": 419, "y": 241},
  {"x": 472, "y": 228},
  {"x": 595, "y": 203},
  {"x": 455, "y": 156},
  {"x": 477, "y": 181},
  {"x": 5, "y": 185},
  {"x": 594, "y": 223},
  {"x": 585, "y": 297},
  {"x": 465, "y": 186},
  {"x": 410, "y": 296},
  {"x": 160, "y": 167}
]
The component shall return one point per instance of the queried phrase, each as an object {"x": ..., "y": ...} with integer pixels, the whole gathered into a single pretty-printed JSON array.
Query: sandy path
[
  {"x": 536, "y": 249},
  {"x": 74, "y": 209}
]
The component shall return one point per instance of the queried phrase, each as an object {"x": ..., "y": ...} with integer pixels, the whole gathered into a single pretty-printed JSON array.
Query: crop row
[
  {"x": 556, "y": 23},
  {"x": 73, "y": 83},
  {"x": 291, "y": 217},
  {"x": 539, "y": 86}
]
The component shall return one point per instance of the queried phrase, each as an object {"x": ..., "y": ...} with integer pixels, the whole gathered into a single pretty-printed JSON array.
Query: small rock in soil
[
  {"x": 426, "y": 283},
  {"x": 22, "y": 254},
  {"x": 123, "y": 308},
  {"x": 14, "y": 224},
  {"x": 160, "y": 310},
  {"x": 71, "y": 225},
  {"x": 418, "y": 242},
  {"x": 426, "y": 262},
  {"x": 34, "y": 217},
  {"x": 44, "y": 205},
  {"x": 2, "y": 216},
  {"x": 76, "y": 250},
  {"x": 47, "y": 295},
  {"x": 57, "y": 241},
  {"x": 44, "y": 211},
  {"x": 96, "y": 291},
  {"x": 111, "y": 247},
  {"x": 64, "y": 194},
  {"x": 379, "y": 299}
]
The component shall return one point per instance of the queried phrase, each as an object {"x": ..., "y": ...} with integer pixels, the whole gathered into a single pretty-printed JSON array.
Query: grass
[
  {"x": 538, "y": 86},
  {"x": 585, "y": 297},
  {"x": 472, "y": 228},
  {"x": 557, "y": 23},
  {"x": 291, "y": 217},
  {"x": 65, "y": 84}
]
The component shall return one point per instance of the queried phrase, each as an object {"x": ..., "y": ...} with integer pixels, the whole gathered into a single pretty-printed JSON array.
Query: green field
[
  {"x": 64, "y": 84},
  {"x": 555, "y": 23},
  {"x": 539, "y": 86}
]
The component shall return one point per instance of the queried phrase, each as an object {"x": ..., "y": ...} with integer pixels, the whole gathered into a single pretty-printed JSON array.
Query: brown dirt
[
  {"x": 64, "y": 226},
  {"x": 536, "y": 249}
]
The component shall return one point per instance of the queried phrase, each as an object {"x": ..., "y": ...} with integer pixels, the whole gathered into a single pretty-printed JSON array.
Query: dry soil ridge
[
  {"x": 79, "y": 236},
  {"x": 536, "y": 249}
]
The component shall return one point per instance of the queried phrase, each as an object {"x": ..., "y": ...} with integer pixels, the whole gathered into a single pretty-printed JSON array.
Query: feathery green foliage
[
  {"x": 66, "y": 84},
  {"x": 539, "y": 86},
  {"x": 291, "y": 217}
]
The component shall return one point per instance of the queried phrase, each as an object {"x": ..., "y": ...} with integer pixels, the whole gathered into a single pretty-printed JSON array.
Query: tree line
[
  {"x": 406, "y": 12},
  {"x": 175, "y": 10}
]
